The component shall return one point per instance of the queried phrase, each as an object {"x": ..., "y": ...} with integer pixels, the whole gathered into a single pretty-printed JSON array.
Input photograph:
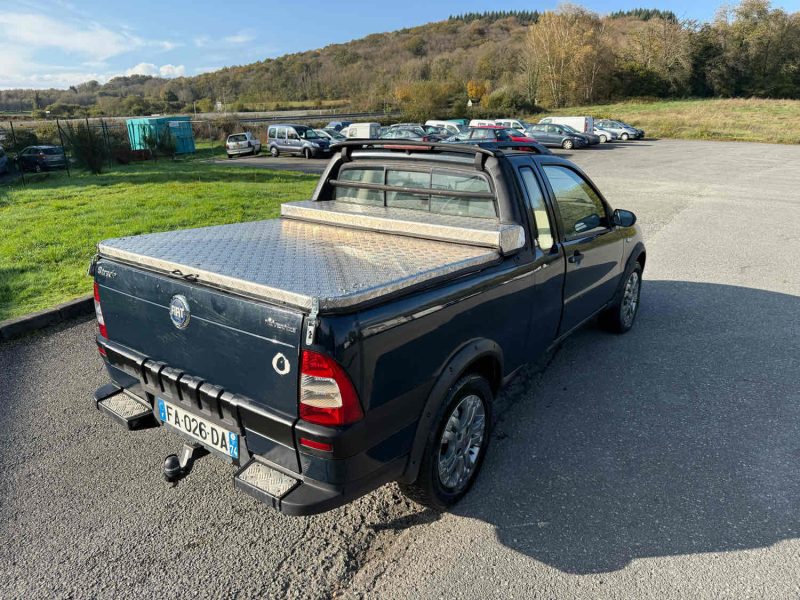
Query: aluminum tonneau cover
[{"x": 293, "y": 262}]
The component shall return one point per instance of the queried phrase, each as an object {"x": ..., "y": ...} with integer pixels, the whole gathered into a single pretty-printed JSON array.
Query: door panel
[
  {"x": 592, "y": 246},
  {"x": 548, "y": 262}
]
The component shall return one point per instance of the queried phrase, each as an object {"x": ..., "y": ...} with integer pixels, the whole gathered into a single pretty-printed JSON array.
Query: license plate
[{"x": 198, "y": 428}]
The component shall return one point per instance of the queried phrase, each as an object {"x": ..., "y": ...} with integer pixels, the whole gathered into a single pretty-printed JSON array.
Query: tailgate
[{"x": 246, "y": 347}]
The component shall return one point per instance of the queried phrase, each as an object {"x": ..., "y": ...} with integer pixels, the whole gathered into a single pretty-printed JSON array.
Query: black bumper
[{"x": 324, "y": 479}]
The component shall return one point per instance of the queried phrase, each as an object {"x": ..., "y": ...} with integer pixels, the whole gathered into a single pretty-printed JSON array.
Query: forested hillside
[{"x": 504, "y": 61}]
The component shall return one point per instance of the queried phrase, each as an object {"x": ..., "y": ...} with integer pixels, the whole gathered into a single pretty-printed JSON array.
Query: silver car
[
  {"x": 624, "y": 132},
  {"x": 605, "y": 135}
]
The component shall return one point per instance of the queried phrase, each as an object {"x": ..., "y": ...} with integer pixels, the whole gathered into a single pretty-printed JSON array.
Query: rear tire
[
  {"x": 456, "y": 445},
  {"x": 38, "y": 168},
  {"x": 230, "y": 156},
  {"x": 274, "y": 152},
  {"x": 621, "y": 315},
  {"x": 567, "y": 145}
]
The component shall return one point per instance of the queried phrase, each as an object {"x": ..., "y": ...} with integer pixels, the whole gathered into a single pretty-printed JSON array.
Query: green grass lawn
[
  {"x": 747, "y": 120},
  {"x": 49, "y": 227}
]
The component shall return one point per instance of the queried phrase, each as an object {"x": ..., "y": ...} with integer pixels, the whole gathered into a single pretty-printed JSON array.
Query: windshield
[{"x": 309, "y": 134}]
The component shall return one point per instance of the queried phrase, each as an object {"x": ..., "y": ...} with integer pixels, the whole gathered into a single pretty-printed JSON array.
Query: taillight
[
  {"x": 327, "y": 396},
  {"x": 98, "y": 311}
]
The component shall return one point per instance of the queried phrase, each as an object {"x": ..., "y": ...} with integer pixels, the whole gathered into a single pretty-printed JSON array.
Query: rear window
[
  {"x": 51, "y": 151},
  {"x": 441, "y": 191},
  {"x": 238, "y": 138}
]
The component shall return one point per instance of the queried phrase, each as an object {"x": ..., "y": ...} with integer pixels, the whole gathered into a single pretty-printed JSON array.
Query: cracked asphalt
[{"x": 660, "y": 464}]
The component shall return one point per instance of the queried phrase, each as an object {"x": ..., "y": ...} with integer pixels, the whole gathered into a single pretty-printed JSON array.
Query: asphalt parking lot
[{"x": 660, "y": 464}]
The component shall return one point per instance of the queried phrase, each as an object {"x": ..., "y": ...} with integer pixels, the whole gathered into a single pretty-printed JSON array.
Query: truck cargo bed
[{"x": 294, "y": 262}]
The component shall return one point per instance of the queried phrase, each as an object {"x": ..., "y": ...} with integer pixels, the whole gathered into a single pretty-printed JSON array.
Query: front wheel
[
  {"x": 307, "y": 153},
  {"x": 567, "y": 144},
  {"x": 38, "y": 168},
  {"x": 456, "y": 445},
  {"x": 624, "y": 137},
  {"x": 603, "y": 139},
  {"x": 620, "y": 316}
]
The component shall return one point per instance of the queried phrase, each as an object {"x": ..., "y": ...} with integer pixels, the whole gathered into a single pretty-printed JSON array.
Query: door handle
[{"x": 576, "y": 257}]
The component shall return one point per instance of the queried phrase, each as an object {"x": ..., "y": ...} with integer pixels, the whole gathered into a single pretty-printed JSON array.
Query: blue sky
[{"x": 73, "y": 41}]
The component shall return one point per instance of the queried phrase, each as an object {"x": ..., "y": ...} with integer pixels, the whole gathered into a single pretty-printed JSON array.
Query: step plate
[
  {"x": 126, "y": 410},
  {"x": 265, "y": 483}
]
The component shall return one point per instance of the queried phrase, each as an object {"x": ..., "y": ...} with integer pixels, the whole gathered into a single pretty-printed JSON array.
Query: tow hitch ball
[{"x": 177, "y": 467}]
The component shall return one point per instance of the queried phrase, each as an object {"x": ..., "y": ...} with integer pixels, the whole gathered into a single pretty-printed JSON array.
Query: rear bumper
[{"x": 320, "y": 480}]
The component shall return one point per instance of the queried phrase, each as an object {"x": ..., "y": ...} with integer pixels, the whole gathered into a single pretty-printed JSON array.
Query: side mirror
[{"x": 624, "y": 218}]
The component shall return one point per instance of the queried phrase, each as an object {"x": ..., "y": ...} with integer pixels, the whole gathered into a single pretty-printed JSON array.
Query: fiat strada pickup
[{"x": 362, "y": 337}]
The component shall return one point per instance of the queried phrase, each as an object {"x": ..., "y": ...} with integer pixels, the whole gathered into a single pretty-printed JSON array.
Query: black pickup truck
[{"x": 362, "y": 337}]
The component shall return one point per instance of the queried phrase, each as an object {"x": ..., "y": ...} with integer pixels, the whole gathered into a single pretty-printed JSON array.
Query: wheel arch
[{"x": 482, "y": 357}]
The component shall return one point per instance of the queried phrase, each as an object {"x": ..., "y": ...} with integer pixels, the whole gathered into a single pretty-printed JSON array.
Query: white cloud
[
  {"x": 172, "y": 71},
  {"x": 202, "y": 41},
  {"x": 240, "y": 38},
  {"x": 40, "y": 31},
  {"x": 168, "y": 71},
  {"x": 27, "y": 40}
]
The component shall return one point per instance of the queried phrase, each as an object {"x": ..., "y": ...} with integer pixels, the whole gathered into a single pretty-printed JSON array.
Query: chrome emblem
[
  {"x": 281, "y": 364},
  {"x": 179, "y": 311}
]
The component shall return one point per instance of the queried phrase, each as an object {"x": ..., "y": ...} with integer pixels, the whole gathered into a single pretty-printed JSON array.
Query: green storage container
[{"x": 180, "y": 128}]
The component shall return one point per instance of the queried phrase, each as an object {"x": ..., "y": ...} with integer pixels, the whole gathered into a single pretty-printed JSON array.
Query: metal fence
[{"x": 109, "y": 138}]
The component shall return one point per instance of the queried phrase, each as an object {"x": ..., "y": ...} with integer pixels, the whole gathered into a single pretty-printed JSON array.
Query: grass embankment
[
  {"x": 745, "y": 120},
  {"x": 49, "y": 228}
]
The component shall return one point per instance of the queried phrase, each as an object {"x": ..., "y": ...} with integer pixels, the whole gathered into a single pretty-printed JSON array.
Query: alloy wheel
[
  {"x": 630, "y": 299},
  {"x": 461, "y": 443}
]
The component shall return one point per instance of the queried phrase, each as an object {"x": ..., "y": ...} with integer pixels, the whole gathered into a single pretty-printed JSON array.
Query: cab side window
[
  {"x": 581, "y": 209},
  {"x": 544, "y": 228}
]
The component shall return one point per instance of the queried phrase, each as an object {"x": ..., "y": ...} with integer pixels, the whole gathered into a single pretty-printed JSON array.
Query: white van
[
  {"x": 482, "y": 123},
  {"x": 512, "y": 124},
  {"x": 447, "y": 125},
  {"x": 582, "y": 124},
  {"x": 363, "y": 131}
]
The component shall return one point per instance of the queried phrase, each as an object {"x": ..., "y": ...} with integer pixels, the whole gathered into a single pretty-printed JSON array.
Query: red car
[{"x": 492, "y": 133}]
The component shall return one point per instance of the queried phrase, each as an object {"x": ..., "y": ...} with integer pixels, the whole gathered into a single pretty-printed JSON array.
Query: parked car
[
  {"x": 242, "y": 143},
  {"x": 408, "y": 133},
  {"x": 591, "y": 138},
  {"x": 346, "y": 345},
  {"x": 296, "y": 139},
  {"x": 581, "y": 124},
  {"x": 333, "y": 135},
  {"x": 556, "y": 136},
  {"x": 623, "y": 131},
  {"x": 42, "y": 158},
  {"x": 482, "y": 123},
  {"x": 364, "y": 131},
  {"x": 605, "y": 135},
  {"x": 513, "y": 124},
  {"x": 449, "y": 126},
  {"x": 338, "y": 125},
  {"x": 4, "y": 168},
  {"x": 639, "y": 132}
]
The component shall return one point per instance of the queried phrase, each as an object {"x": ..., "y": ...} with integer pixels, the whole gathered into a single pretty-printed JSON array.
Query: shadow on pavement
[{"x": 679, "y": 437}]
